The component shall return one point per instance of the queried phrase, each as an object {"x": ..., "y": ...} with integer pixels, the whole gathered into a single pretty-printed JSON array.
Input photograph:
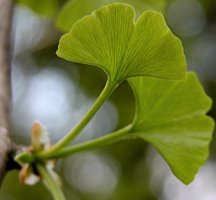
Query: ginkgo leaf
[
  {"x": 76, "y": 9},
  {"x": 111, "y": 40},
  {"x": 171, "y": 115},
  {"x": 42, "y": 7}
]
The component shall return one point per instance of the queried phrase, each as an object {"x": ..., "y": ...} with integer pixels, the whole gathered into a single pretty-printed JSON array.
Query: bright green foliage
[
  {"x": 171, "y": 116},
  {"x": 158, "y": 5},
  {"x": 42, "y": 7},
  {"x": 110, "y": 39},
  {"x": 76, "y": 9}
]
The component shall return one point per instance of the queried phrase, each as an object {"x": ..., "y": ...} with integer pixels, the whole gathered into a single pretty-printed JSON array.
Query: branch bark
[{"x": 6, "y": 10}]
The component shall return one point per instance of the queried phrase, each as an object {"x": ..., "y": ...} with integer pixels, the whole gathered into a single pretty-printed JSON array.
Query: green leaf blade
[
  {"x": 186, "y": 149},
  {"x": 92, "y": 40},
  {"x": 74, "y": 10},
  {"x": 111, "y": 40},
  {"x": 161, "y": 98},
  {"x": 171, "y": 116},
  {"x": 154, "y": 50}
]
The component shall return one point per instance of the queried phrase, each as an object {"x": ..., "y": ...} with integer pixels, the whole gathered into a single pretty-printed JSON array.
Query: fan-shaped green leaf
[
  {"x": 110, "y": 39},
  {"x": 171, "y": 116},
  {"x": 76, "y": 9}
]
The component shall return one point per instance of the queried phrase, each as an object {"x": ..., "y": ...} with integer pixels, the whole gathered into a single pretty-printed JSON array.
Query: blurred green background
[{"x": 58, "y": 93}]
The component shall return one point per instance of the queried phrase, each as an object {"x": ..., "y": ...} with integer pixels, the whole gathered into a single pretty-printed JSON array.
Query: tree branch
[{"x": 6, "y": 10}]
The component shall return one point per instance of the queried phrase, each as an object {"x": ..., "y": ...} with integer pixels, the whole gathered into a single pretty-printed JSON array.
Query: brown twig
[{"x": 6, "y": 10}]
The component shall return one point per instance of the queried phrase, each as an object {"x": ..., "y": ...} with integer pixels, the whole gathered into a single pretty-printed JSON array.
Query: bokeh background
[{"x": 58, "y": 93}]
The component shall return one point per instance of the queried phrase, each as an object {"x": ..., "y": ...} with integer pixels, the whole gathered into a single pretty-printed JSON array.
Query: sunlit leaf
[
  {"x": 110, "y": 39},
  {"x": 42, "y": 7},
  {"x": 76, "y": 9},
  {"x": 171, "y": 116}
]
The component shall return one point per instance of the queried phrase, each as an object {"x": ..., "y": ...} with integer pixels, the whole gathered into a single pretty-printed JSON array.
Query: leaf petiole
[
  {"x": 50, "y": 183},
  {"x": 69, "y": 137},
  {"x": 89, "y": 145}
]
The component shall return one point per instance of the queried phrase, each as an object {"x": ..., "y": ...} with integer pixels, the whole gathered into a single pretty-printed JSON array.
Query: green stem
[
  {"x": 50, "y": 183},
  {"x": 89, "y": 145},
  {"x": 107, "y": 91}
]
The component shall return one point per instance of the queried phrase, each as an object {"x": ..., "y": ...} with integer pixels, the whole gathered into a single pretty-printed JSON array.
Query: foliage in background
[
  {"x": 68, "y": 12},
  {"x": 42, "y": 7}
]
